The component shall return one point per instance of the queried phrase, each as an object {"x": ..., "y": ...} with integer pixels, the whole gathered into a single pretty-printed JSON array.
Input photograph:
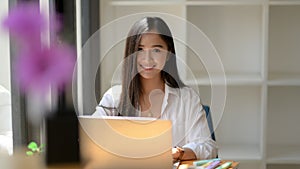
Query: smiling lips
[{"x": 147, "y": 68}]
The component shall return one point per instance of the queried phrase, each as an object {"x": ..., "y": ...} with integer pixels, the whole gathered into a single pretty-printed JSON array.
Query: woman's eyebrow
[{"x": 159, "y": 46}]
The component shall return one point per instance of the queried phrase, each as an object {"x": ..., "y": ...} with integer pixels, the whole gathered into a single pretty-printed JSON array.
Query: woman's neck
[
  {"x": 152, "y": 97},
  {"x": 149, "y": 85}
]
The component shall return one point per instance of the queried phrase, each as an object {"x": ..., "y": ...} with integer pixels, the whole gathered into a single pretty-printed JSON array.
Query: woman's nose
[{"x": 147, "y": 55}]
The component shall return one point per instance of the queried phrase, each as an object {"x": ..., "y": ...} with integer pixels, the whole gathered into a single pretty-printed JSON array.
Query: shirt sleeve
[
  {"x": 109, "y": 102},
  {"x": 198, "y": 136}
]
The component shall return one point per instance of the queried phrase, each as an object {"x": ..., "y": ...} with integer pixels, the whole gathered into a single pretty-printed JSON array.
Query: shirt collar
[{"x": 171, "y": 90}]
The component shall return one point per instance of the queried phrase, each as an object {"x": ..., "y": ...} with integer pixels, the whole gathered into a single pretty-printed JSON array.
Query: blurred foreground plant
[
  {"x": 39, "y": 63},
  {"x": 42, "y": 62},
  {"x": 34, "y": 148}
]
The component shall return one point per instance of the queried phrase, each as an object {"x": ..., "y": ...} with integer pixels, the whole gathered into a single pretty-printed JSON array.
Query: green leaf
[
  {"x": 33, "y": 146},
  {"x": 29, "y": 153}
]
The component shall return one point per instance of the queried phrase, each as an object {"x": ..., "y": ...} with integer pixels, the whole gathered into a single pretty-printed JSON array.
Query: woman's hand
[
  {"x": 176, "y": 153},
  {"x": 183, "y": 154}
]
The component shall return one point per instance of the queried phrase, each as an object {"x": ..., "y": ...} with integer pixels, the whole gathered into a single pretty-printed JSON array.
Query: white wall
[{"x": 4, "y": 49}]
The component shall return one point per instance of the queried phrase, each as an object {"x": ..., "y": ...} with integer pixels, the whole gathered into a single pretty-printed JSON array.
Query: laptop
[{"x": 113, "y": 142}]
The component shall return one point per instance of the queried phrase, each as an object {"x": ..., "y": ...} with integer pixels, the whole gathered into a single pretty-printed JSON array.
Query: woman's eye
[
  {"x": 156, "y": 50},
  {"x": 140, "y": 49}
]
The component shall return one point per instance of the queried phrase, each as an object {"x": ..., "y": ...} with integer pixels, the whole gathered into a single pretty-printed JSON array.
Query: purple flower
[
  {"x": 37, "y": 69},
  {"x": 26, "y": 22},
  {"x": 37, "y": 66}
]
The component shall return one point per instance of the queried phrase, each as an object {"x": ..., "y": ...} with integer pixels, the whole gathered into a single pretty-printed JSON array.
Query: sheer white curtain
[{"x": 6, "y": 142}]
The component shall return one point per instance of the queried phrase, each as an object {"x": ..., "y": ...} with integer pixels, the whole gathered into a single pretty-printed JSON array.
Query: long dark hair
[{"x": 131, "y": 85}]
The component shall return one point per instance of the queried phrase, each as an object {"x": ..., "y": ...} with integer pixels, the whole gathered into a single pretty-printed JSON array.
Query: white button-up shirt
[{"x": 183, "y": 107}]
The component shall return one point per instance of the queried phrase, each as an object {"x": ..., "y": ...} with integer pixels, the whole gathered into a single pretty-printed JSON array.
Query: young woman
[{"x": 151, "y": 87}]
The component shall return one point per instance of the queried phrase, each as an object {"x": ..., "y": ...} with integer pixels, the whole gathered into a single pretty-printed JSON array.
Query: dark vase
[{"x": 62, "y": 142}]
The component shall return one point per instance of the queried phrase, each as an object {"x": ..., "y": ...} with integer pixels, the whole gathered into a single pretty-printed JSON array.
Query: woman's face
[{"x": 151, "y": 55}]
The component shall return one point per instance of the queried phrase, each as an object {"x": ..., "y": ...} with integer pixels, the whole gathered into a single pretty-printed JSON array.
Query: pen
[
  {"x": 204, "y": 166},
  {"x": 207, "y": 164},
  {"x": 201, "y": 162},
  {"x": 225, "y": 165},
  {"x": 213, "y": 164}
]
